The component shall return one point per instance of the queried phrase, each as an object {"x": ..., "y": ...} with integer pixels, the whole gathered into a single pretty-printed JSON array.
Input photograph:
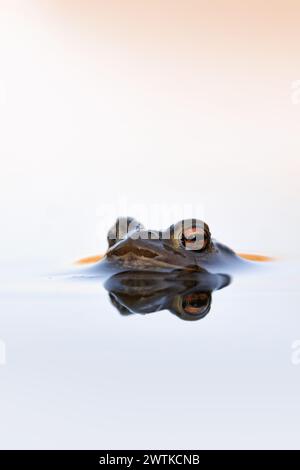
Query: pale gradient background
[{"x": 145, "y": 103}]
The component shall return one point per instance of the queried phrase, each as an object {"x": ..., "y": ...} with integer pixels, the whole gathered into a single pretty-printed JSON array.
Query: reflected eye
[
  {"x": 193, "y": 306},
  {"x": 196, "y": 304},
  {"x": 192, "y": 234}
]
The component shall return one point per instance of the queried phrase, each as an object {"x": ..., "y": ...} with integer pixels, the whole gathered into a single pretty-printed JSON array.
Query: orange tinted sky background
[
  {"x": 254, "y": 25},
  {"x": 152, "y": 100}
]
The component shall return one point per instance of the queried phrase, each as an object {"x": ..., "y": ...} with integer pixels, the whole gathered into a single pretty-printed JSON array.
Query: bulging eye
[
  {"x": 194, "y": 239},
  {"x": 192, "y": 234},
  {"x": 121, "y": 228}
]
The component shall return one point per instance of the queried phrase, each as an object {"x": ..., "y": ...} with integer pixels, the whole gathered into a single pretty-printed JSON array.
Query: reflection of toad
[{"x": 186, "y": 294}]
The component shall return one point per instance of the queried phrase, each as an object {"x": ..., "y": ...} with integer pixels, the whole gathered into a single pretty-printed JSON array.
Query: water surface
[{"x": 77, "y": 374}]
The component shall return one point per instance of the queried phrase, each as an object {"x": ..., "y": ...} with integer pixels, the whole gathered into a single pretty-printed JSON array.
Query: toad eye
[
  {"x": 192, "y": 234},
  {"x": 121, "y": 228}
]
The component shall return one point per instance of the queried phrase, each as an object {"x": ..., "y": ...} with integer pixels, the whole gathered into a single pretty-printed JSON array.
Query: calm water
[
  {"x": 101, "y": 118},
  {"x": 77, "y": 374}
]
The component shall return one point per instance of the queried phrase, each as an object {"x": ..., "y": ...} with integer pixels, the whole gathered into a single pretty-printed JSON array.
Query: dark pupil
[
  {"x": 194, "y": 302},
  {"x": 194, "y": 240}
]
